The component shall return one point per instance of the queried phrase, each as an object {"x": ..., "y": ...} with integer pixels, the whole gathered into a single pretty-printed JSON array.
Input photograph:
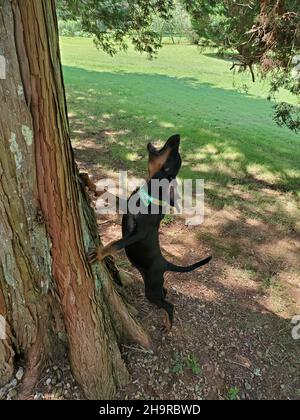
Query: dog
[{"x": 140, "y": 231}]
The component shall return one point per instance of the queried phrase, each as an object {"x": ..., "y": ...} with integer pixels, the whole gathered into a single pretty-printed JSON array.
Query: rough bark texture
[{"x": 46, "y": 223}]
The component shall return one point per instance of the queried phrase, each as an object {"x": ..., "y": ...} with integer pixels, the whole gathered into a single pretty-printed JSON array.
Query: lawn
[
  {"x": 250, "y": 167},
  {"x": 226, "y": 132},
  {"x": 249, "y": 164},
  {"x": 228, "y": 135}
]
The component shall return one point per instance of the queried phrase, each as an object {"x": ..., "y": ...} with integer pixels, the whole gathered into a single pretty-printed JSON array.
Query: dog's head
[{"x": 165, "y": 163}]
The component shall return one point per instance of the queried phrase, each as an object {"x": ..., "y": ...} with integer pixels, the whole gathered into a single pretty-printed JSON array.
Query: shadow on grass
[
  {"x": 250, "y": 166},
  {"x": 132, "y": 109},
  {"x": 221, "y": 56},
  {"x": 229, "y": 140}
]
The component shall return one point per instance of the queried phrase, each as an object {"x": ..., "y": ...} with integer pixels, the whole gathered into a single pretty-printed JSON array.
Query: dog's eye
[{"x": 167, "y": 169}]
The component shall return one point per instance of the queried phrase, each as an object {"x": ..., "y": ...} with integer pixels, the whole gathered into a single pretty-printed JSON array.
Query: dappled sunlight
[
  {"x": 267, "y": 255},
  {"x": 196, "y": 289},
  {"x": 236, "y": 304},
  {"x": 78, "y": 131},
  {"x": 116, "y": 133},
  {"x": 258, "y": 171},
  {"x": 236, "y": 148},
  {"x": 106, "y": 116},
  {"x": 226, "y": 162},
  {"x": 133, "y": 157},
  {"x": 88, "y": 144},
  {"x": 232, "y": 155},
  {"x": 231, "y": 338},
  {"x": 284, "y": 249},
  {"x": 166, "y": 124},
  {"x": 240, "y": 277}
]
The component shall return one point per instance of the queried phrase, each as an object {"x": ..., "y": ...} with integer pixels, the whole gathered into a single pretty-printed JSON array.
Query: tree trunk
[{"x": 48, "y": 292}]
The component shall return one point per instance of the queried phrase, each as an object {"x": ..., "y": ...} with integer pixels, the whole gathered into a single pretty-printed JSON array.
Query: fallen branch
[
  {"x": 139, "y": 349},
  {"x": 238, "y": 364}
]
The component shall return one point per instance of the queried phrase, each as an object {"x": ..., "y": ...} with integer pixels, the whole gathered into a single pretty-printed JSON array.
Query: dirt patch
[{"x": 225, "y": 342}]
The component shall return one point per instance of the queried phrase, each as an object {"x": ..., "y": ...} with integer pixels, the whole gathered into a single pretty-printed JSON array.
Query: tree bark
[{"x": 48, "y": 291}]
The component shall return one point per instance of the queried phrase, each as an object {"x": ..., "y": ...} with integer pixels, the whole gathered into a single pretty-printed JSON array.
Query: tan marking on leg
[{"x": 107, "y": 250}]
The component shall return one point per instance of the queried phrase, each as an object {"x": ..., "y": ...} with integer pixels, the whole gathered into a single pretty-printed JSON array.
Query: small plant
[
  {"x": 189, "y": 362},
  {"x": 179, "y": 364},
  {"x": 168, "y": 220},
  {"x": 233, "y": 393},
  {"x": 270, "y": 283},
  {"x": 178, "y": 368},
  {"x": 193, "y": 364}
]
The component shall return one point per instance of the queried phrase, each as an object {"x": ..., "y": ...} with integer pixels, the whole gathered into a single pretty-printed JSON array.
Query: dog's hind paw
[{"x": 167, "y": 325}]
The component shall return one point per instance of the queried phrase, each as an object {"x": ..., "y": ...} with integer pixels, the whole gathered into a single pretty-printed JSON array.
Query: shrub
[{"x": 71, "y": 28}]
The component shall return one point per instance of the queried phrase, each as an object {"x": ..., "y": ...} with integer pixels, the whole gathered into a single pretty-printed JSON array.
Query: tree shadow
[
  {"x": 202, "y": 113},
  {"x": 228, "y": 56},
  {"x": 114, "y": 115},
  {"x": 233, "y": 339}
]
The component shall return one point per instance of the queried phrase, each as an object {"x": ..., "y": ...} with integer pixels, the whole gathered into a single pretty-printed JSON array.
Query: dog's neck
[{"x": 153, "y": 196}]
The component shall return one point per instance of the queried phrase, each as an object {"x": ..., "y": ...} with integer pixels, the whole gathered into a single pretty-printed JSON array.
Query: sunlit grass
[{"x": 228, "y": 137}]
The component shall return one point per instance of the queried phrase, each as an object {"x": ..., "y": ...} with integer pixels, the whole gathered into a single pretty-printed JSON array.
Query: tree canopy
[{"x": 222, "y": 22}]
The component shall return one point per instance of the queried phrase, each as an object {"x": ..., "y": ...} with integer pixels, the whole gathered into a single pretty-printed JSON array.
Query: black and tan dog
[{"x": 141, "y": 230}]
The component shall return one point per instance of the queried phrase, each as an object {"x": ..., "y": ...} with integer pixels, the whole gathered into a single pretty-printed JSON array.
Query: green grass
[
  {"x": 168, "y": 220},
  {"x": 228, "y": 136},
  {"x": 250, "y": 165},
  {"x": 233, "y": 393},
  {"x": 226, "y": 133}
]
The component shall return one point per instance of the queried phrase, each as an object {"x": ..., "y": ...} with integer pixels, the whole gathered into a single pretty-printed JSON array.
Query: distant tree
[
  {"x": 112, "y": 22},
  {"x": 177, "y": 24},
  {"x": 71, "y": 28},
  {"x": 266, "y": 37},
  {"x": 274, "y": 45}
]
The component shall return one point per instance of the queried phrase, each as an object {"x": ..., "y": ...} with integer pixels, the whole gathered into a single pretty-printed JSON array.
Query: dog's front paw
[{"x": 93, "y": 256}]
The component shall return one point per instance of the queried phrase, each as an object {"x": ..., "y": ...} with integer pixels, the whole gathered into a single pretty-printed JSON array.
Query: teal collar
[{"x": 147, "y": 199}]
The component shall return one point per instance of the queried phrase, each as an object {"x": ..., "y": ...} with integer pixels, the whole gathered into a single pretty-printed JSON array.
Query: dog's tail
[{"x": 177, "y": 269}]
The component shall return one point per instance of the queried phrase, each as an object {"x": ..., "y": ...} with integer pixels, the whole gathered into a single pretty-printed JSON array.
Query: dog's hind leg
[{"x": 156, "y": 293}]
